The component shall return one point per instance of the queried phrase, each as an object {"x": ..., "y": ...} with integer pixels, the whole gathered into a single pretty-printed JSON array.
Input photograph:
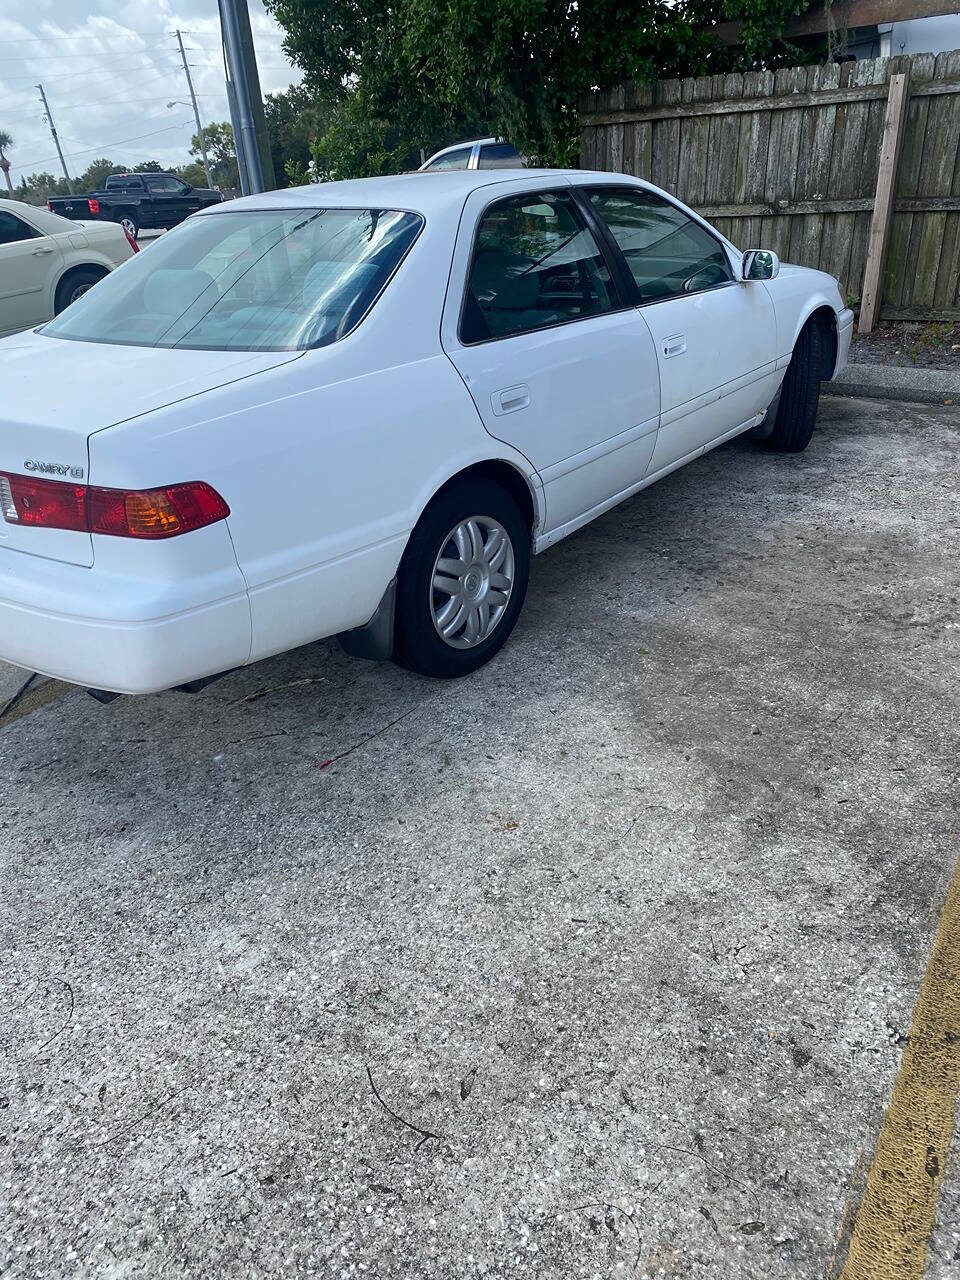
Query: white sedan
[
  {"x": 358, "y": 408},
  {"x": 47, "y": 262}
]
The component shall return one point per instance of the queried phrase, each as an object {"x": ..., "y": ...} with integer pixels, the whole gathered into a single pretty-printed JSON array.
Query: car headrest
[{"x": 170, "y": 291}]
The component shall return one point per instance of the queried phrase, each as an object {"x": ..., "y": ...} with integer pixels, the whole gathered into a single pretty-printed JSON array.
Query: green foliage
[
  {"x": 192, "y": 174},
  {"x": 221, "y": 153},
  {"x": 38, "y": 188},
  {"x": 420, "y": 74},
  {"x": 294, "y": 118},
  {"x": 96, "y": 174}
]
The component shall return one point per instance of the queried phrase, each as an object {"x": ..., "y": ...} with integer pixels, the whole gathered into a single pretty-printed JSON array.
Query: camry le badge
[{"x": 54, "y": 469}]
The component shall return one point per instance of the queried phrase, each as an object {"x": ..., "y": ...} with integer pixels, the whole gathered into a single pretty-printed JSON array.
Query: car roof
[
  {"x": 421, "y": 192},
  {"x": 20, "y": 207}
]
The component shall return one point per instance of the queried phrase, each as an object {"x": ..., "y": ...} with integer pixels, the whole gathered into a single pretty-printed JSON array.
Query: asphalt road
[{"x": 596, "y": 964}]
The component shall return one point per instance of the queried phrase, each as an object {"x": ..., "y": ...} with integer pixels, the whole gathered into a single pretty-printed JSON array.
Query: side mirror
[{"x": 759, "y": 264}]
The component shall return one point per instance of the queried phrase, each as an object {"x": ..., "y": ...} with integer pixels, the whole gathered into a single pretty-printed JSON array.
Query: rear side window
[
  {"x": 500, "y": 155},
  {"x": 459, "y": 159},
  {"x": 534, "y": 264},
  {"x": 667, "y": 252},
  {"x": 124, "y": 182},
  {"x": 14, "y": 229},
  {"x": 166, "y": 185},
  {"x": 257, "y": 280}
]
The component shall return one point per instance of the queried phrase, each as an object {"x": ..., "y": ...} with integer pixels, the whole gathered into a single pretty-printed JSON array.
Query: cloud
[{"x": 108, "y": 81}]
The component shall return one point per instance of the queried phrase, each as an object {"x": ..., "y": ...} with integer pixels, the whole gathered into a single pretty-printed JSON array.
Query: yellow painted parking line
[
  {"x": 37, "y": 696},
  {"x": 896, "y": 1216}
]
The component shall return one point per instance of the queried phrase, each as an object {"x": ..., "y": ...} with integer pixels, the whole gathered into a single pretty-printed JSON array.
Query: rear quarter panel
[{"x": 326, "y": 463}]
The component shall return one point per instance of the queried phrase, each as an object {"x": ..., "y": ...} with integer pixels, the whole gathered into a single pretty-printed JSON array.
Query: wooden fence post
[{"x": 898, "y": 97}]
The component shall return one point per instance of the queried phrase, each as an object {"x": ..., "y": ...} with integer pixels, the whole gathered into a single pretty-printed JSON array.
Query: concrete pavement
[{"x": 597, "y": 964}]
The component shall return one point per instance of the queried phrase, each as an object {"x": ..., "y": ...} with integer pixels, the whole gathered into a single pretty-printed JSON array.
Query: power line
[{"x": 27, "y": 164}]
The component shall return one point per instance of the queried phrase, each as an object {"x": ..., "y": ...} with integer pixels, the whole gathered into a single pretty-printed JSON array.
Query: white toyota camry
[{"x": 357, "y": 409}]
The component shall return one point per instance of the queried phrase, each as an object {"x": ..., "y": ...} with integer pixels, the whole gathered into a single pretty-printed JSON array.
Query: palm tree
[{"x": 5, "y": 143}]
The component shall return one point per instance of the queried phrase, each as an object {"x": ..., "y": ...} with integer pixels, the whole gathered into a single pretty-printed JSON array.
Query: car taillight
[
  {"x": 50, "y": 206},
  {"x": 122, "y": 513},
  {"x": 93, "y": 206},
  {"x": 130, "y": 240}
]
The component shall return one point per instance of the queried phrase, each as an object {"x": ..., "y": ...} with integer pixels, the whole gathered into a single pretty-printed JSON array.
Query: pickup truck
[{"x": 137, "y": 200}]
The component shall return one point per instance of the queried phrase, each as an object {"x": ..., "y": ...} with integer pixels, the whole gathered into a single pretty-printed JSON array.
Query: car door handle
[
  {"x": 510, "y": 399},
  {"x": 45, "y": 249},
  {"x": 674, "y": 346}
]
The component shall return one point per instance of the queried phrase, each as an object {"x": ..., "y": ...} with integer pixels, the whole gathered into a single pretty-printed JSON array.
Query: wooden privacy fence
[{"x": 791, "y": 161}]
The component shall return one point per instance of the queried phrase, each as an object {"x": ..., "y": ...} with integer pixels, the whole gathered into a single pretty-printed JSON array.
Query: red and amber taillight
[{"x": 122, "y": 513}]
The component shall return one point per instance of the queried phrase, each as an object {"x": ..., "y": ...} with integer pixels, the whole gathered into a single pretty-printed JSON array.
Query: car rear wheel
[
  {"x": 130, "y": 225},
  {"x": 74, "y": 285},
  {"x": 796, "y": 412},
  {"x": 463, "y": 580}
]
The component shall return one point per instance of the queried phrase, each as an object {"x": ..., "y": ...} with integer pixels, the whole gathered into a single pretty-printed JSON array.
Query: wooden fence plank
[
  {"x": 883, "y": 208},
  {"x": 852, "y": 93},
  {"x": 790, "y": 160}
]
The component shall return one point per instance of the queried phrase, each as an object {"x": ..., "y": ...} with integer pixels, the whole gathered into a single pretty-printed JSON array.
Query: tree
[
  {"x": 192, "y": 174},
  {"x": 39, "y": 187},
  {"x": 96, "y": 174},
  {"x": 424, "y": 73},
  {"x": 150, "y": 166},
  {"x": 221, "y": 153},
  {"x": 295, "y": 118},
  {"x": 6, "y": 142}
]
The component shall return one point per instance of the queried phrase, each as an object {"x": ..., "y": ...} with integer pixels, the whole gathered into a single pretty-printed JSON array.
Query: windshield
[{"x": 277, "y": 280}]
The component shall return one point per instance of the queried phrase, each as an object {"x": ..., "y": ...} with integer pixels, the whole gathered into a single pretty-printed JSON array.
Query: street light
[{"x": 176, "y": 102}]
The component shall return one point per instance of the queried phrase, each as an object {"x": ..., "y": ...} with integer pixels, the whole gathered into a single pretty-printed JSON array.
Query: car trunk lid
[{"x": 57, "y": 393}]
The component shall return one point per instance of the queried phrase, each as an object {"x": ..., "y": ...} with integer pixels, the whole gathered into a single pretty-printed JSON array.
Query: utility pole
[
  {"x": 196, "y": 109},
  {"x": 56, "y": 141},
  {"x": 246, "y": 101}
]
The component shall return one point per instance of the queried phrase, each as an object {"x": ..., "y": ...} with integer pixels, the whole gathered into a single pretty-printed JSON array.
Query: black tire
[
  {"x": 418, "y": 644},
  {"x": 73, "y": 284},
  {"x": 130, "y": 223},
  {"x": 800, "y": 394}
]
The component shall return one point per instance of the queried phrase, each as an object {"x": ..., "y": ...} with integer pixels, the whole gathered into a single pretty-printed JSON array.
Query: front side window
[
  {"x": 459, "y": 159},
  {"x": 667, "y": 252},
  {"x": 264, "y": 280},
  {"x": 534, "y": 264},
  {"x": 14, "y": 229}
]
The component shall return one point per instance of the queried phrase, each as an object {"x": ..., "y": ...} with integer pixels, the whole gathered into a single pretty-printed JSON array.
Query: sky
[{"x": 109, "y": 69}]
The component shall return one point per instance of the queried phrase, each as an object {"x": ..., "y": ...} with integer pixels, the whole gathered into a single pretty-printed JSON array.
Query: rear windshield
[{"x": 277, "y": 280}]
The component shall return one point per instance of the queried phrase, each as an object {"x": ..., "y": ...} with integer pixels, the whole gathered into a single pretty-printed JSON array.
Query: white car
[
  {"x": 47, "y": 262},
  {"x": 358, "y": 408},
  {"x": 481, "y": 153}
]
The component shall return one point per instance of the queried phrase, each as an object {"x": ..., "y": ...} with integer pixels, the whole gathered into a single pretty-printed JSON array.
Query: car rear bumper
[{"x": 121, "y": 633}]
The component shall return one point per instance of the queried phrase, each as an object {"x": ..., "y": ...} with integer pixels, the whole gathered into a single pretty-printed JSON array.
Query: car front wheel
[
  {"x": 463, "y": 580},
  {"x": 799, "y": 399}
]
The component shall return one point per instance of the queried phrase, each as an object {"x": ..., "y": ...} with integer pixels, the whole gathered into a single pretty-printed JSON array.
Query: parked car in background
[
  {"x": 482, "y": 153},
  {"x": 359, "y": 408},
  {"x": 138, "y": 201},
  {"x": 47, "y": 262}
]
